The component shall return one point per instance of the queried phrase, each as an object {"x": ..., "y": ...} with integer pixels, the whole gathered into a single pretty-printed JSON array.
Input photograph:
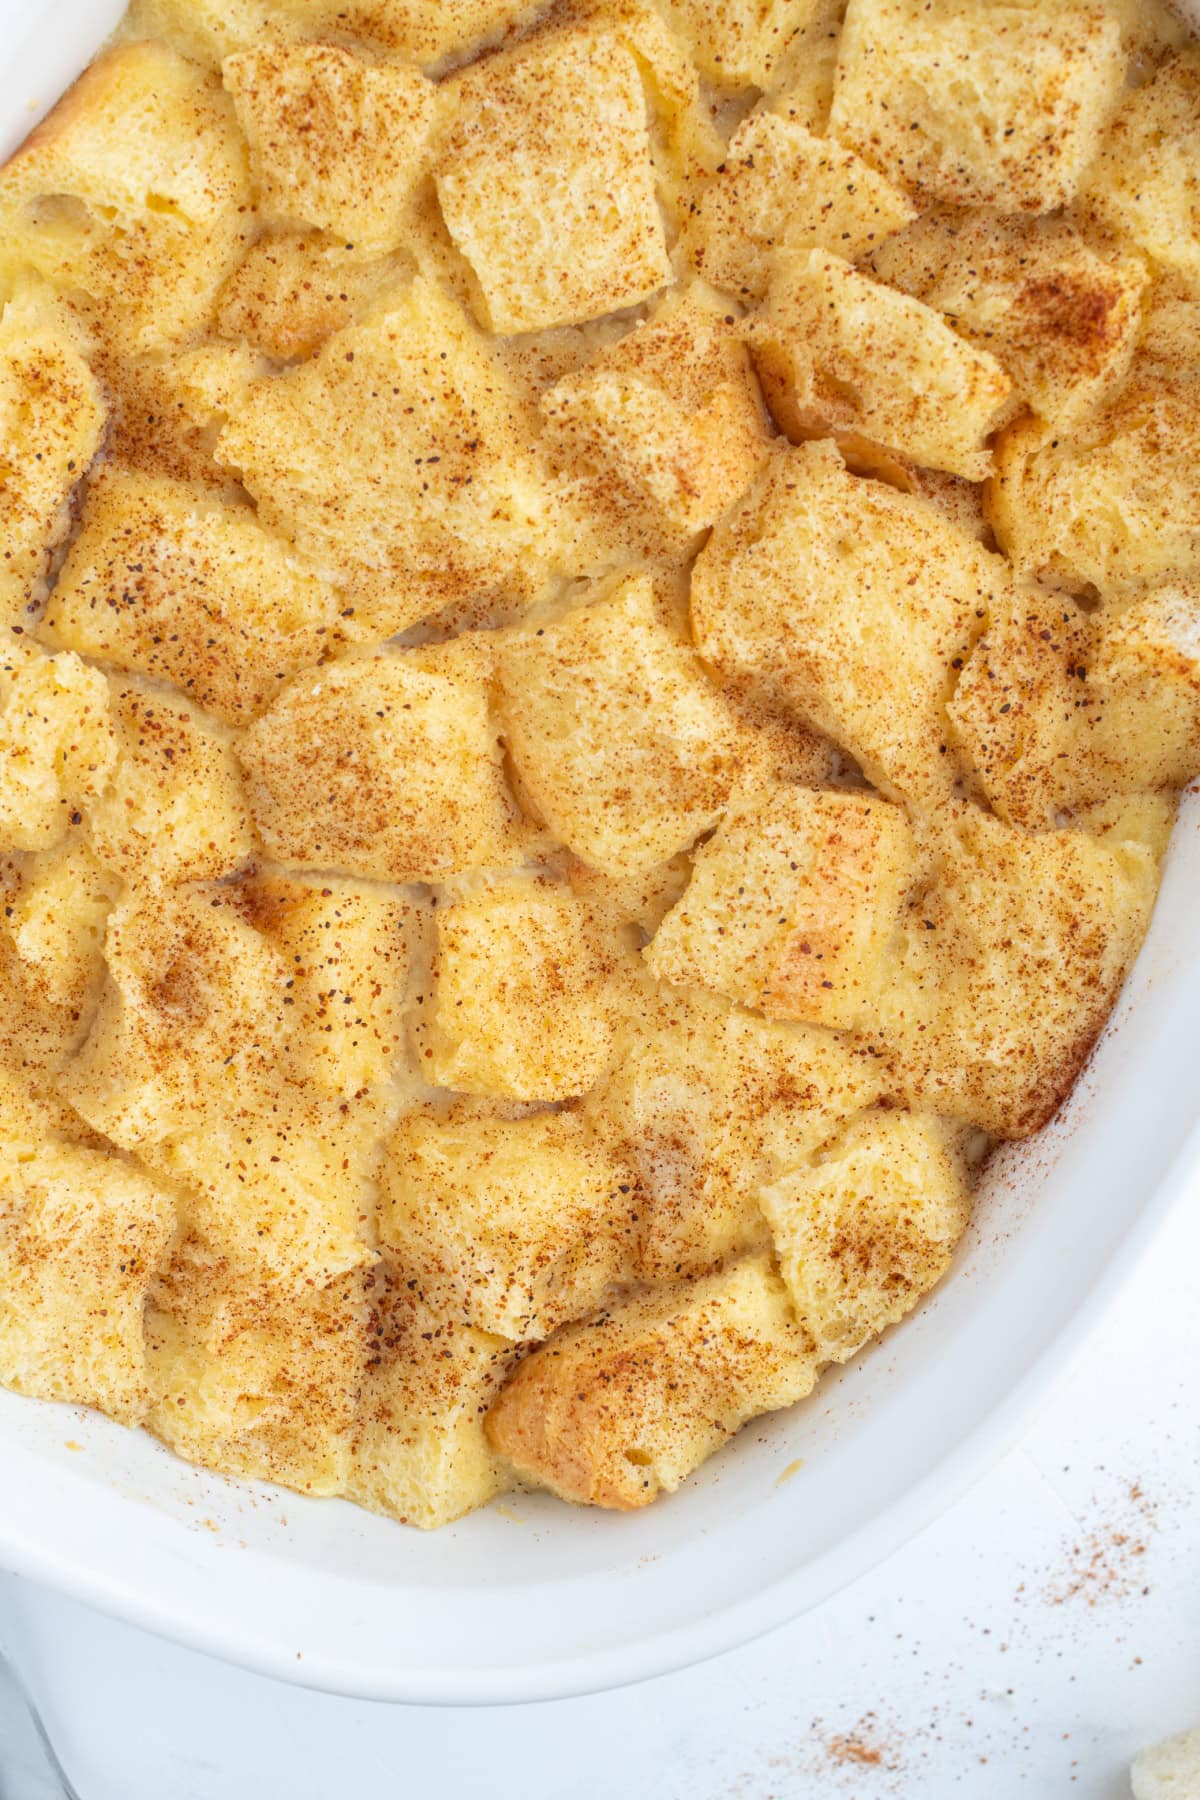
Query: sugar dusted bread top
[{"x": 600, "y": 635}]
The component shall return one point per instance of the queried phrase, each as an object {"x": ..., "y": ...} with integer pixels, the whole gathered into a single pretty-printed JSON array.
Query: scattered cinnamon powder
[
  {"x": 1106, "y": 1564},
  {"x": 863, "y": 1745}
]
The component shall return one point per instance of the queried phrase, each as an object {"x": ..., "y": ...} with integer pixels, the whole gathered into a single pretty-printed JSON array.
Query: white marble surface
[{"x": 1028, "y": 1642}]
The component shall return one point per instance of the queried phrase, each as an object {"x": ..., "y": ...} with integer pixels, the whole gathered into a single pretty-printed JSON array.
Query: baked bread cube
[
  {"x": 683, "y": 134},
  {"x": 419, "y": 1452},
  {"x": 528, "y": 992},
  {"x": 849, "y": 602},
  {"x": 1107, "y": 509},
  {"x": 55, "y": 909},
  {"x": 382, "y": 768},
  {"x": 780, "y": 190},
  {"x": 166, "y": 407},
  {"x": 865, "y": 1232},
  {"x": 1057, "y": 709},
  {"x": 1062, "y": 319},
  {"x": 514, "y": 1226},
  {"x": 348, "y": 948},
  {"x": 1144, "y": 184},
  {"x": 133, "y": 190},
  {"x": 252, "y": 1383},
  {"x": 279, "y": 1182},
  {"x": 546, "y": 183},
  {"x": 1146, "y": 670},
  {"x": 57, "y": 743},
  {"x": 977, "y": 103},
  {"x": 51, "y": 423},
  {"x": 397, "y": 462},
  {"x": 1170, "y": 338},
  {"x": 207, "y": 30},
  {"x": 336, "y": 142},
  {"x": 1167, "y": 1770},
  {"x": 742, "y": 43},
  {"x": 294, "y": 289},
  {"x": 163, "y": 579},
  {"x": 173, "y": 808},
  {"x": 1006, "y": 967},
  {"x": 624, "y": 1407},
  {"x": 668, "y": 425},
  {"x": 81, "y": 1234},
  {"x": 418, "y": 32},
  {"x": 620, "y": 743},
  {"x": 190, "y": 1018},
  {"x": 842, "y": 355},
  {"x": 708, "y": 1104},
  {"x": 1150, "y": 30},
  {"x": 791, "y": 904},
  {"x": 1025, "y": 711}
]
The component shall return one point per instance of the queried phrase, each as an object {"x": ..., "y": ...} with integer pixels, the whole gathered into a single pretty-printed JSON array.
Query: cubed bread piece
[
  {"x": 528, "y": 993},
  {"x": 206, "y": 30},
  {"x": 1150, "y": 30},
  {"x": 1145, "y": 183},
  {"x": 382, "y": 768},
  {"x": 173, "y": 808},
  {"x": 515, "y": 1226},
  {"x": 57, "y": 743},
  {"x": 420, "y": 1453},
  {"x": 417, "y": 30},
  {"x": 706, "y": 1105},
  {"x": 741, "y": 43},
  {"x": 1109, "y": 506},
  {"x": 547, "y": 183},
  {"x": 620, "y": 742},
  {"x": 977, "y": 102},
  {"x": 1169, "y": 344},
  {"x": 683, "y": 134},
  {"x": 780, "y": 190},
  {"x": 51, "y": 423},
  {"x": 1007, "y": 966},
  {"x": 1058, "y": 710},
  {"x": 166, "y": 408},
  {"x": 1025, "y": 712},
  {"x": 348, "y": 949},
  {"x": 1169, "y": 1770},
  {"x": 844, "y": 355},
  {"x": 134, "y": 190},
  {"x": 1062, "y": 319},
  {"x": 55, "y": 908},
  {"x": 397, "y": 461},
  {"x": 849, "y": 602},
  {"x": 163, "y": 579},
  {"x": 624, "y": 1407},
  {"x": 279, "y": 1182},
  {"x": 81, "y": 1234},
  {"x": 790, "y": 905},
  {"x": 1146, "y": 820},
  {"x": 335, "y": 141},
  {"x": 191, "y": 1015},
  {"x": 668, "y": 425},
  {"x": 294, "y": 289},
  {"x": 1146, "y": 670},
  {"x": 252, "y": 1383},
  {"x": 870, "y": 1227}
]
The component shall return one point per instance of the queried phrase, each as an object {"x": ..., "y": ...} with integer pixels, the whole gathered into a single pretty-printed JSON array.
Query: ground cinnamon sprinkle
[
  {"x": 1107, "y": 1563},
  {"x": 860, "y": 1746}
]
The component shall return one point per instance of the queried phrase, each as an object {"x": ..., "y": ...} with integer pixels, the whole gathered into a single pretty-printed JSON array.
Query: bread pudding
[{"x": 601, "y": 610}]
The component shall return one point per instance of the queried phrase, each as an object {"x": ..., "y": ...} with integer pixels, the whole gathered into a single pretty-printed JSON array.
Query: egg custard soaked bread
[{"x": 601, "y": 625}]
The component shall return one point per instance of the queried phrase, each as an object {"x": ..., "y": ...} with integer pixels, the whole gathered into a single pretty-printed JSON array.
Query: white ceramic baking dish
[{"x": 529, "y": 1599}]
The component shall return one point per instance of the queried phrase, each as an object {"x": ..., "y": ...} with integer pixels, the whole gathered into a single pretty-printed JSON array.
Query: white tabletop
[{"x": 1028, "y": 1642}]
